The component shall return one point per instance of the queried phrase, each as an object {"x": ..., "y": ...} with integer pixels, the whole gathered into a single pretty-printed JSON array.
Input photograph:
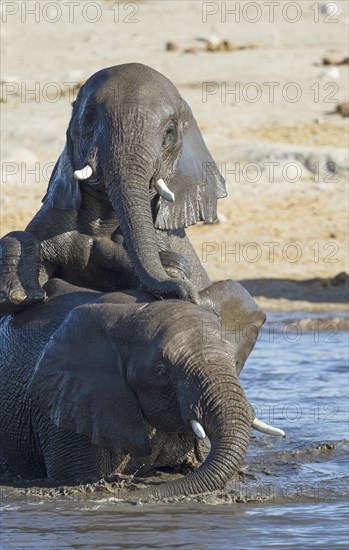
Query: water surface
[{"x": 292, "y": 492}]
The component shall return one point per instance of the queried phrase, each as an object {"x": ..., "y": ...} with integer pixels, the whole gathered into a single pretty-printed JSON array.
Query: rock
[
  {"x": 227, "y": 46},
  {"x": 192, "y": 49},
  {"x": 341, "y": 279},
  {"x": 334, "y": 61},
  {"x": 214, "y": 47},
  {"x": 343, "y": 109},
  {"x": 171, "y": 46},
  {"x": 330, "y": 61},
  {"x": 248, "y": 47}
]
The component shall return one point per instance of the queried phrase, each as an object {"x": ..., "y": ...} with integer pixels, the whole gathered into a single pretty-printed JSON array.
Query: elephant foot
[
  {"x": 175, "y": 265},
  {"x": 19, "y": 270},
  {"x": 179, "y": 286}
]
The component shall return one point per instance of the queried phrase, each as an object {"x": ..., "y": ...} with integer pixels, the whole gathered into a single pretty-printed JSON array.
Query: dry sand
[{"x": 276, "y": 229}]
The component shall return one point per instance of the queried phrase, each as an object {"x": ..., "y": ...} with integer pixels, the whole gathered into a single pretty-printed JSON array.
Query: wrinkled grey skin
[
  {"x": 132, "y": 127},
  {"x": 94, "y": 383}
]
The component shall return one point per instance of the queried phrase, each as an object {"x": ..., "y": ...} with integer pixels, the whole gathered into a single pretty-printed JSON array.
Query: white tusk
[
  {"x": 84, "y": 173},
  {"x": 198, "y": 429},
  {"x": 261, "y": 426},
  {"x": 164, "y": 191}
]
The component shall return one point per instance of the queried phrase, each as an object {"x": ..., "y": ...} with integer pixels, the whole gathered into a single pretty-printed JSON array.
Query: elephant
[
  {"x": 94, "y": 383},
  {"x": 134, "y": 173}
]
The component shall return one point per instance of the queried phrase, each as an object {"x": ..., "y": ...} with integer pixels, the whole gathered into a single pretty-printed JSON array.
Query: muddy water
[{"x": 291, "y": 492}]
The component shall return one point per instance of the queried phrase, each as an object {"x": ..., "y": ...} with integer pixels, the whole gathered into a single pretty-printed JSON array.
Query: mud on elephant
[
  {"x": 134, "y": 173},
  {"x": 101, "y": 382}
]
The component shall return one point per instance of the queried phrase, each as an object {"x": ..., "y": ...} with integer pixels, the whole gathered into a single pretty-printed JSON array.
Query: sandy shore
[{"x": 277, "y": 227}]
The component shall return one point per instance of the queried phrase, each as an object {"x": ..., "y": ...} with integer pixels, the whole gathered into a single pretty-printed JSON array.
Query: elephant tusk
[
  {"x": 84, "y": 173},
  {"x": 164, "y": 191},
  {"x": 198, "y": 429},
  {"x": 261, "y": 426}
]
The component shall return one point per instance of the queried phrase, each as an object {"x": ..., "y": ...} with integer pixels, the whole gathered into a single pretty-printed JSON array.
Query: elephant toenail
[{"x": 18, "y": 296}]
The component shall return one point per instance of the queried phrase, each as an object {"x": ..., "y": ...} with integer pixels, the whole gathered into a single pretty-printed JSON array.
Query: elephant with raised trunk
[
  {"x": 134, "y": 173},
  {"x": 93, "y": 383}
]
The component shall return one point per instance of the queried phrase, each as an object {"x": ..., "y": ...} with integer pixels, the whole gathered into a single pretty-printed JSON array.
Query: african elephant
[
  {"x": 134, "y": 172},
  {"x": 94, "y": 383}
]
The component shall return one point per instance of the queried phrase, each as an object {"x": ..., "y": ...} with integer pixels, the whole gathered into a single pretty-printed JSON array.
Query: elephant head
[
  {"x": 133, "y": 135},
  {"x": 110, "y": 368}
]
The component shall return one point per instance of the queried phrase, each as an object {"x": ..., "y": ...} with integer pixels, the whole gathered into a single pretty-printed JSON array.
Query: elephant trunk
[
  {"x": 128, "y": 188},
  {"x": 131, "y": 200},
  {"x": 226, "y": 417}
]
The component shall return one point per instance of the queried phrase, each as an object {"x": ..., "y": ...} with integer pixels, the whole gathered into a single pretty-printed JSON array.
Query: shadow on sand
[{"x": 312, "y": 290}]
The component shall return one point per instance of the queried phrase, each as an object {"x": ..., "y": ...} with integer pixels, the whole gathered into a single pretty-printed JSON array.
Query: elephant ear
[
  {"x": 63, "y": 189},
  {"x": 80, "y": 383},
  {"x": 196, "y": 182},
  {"x": 240, "y": 316}
]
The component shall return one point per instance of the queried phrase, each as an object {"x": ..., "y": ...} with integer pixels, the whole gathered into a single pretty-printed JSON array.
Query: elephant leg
[
  {"x": 112, "y": 255},
  {"x": 175, "y": 451},
  {"x": 175, "y": 265},
  {"x": 20, "y": 261},
  {"x": 177, "y": 241},
  {"x": 72, "y": 458}
]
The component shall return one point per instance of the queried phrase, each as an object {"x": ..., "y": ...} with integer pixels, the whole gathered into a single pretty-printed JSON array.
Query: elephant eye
[
  {"x": 170, "y": 134},
  {"x": 160, "y": 372},
  {"x": 89, "y": 114},
  {"x": 89, "y": 117}
]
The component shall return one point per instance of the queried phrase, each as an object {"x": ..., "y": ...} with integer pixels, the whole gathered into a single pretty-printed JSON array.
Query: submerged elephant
[
  {"x": 135, "y": 171},
  {"x": 94, "y": 383}
]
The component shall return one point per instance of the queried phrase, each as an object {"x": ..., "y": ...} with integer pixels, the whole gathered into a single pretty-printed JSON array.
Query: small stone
[
  {"x": 192, "y": 49},
  {"x": 171, "y": 46},
  {"x": 334, "y": 61},
  {"x": 341, "y": 279},
  {"x": 248, "y": 47},
  {"x": 213, "y": 47},
  {"x": 330, "y": 61},
  {"x": 343, "y": 109},
  {"x": 228, "y": 46}
]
